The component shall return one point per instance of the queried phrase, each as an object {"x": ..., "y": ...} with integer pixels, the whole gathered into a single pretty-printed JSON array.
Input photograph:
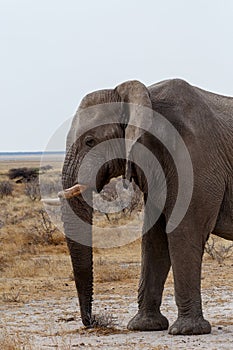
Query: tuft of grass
[
  {"x": 12, "y": 297},
  {"x": 103, "y": 324},
  {"x": 3, "y": 262},
  {"x": 104, "y": 321}
]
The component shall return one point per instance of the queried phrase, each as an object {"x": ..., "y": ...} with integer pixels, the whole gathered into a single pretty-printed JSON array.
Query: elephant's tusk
[
  {"x": 51, "y": 201},
  {"x": 73, "y": 191}
]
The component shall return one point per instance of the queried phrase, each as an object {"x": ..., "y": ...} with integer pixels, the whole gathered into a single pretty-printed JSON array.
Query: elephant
[{"x": 204, "y": 121}]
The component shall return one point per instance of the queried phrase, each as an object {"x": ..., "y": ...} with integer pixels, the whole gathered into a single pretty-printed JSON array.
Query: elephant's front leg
[
  {"x": 155, "y": 268},
  {"x": 186, "y": 251}
]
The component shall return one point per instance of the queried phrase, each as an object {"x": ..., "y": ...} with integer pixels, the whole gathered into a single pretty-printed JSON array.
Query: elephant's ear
[{"x": 137, "y": 101}]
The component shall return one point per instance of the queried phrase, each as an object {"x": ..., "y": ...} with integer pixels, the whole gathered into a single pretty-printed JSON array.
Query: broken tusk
[
  {"x": 73, "y": 191},
  {"x": 51, "y": 201}
]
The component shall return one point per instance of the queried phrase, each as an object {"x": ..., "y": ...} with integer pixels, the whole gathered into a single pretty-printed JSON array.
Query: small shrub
[
  {"x": 50, "y": 187},
  {"x": 218, "y": 251},
  {"x": 126, "y": 201},
  {"x": 136, "y": 203},
  {"x": 46, "y": 167},
  {"x": 45, "y": 231},
  {"x": 32, "y": 189},
  {"x": 6, "y": 189}
]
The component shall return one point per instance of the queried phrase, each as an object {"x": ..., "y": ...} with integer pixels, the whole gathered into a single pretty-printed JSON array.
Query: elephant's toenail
[{"x": 174, "y": 331}]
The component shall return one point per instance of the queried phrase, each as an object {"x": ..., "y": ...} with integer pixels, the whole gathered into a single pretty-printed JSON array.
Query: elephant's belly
[{"x": 224, "y": 224}]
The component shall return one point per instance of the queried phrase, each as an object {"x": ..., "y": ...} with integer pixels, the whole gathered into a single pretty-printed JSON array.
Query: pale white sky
[{"x": 53, "y": 52}]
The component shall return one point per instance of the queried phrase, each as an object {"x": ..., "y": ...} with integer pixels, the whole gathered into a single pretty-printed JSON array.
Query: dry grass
[
  {"x": 105, "y": 274},
  {"x": 12, "y": 297},
  {"x": 100, "y": 331},
  {"x": 14, "y": 342},
  {"x": 34, "y": 256},
  {"x": 32, "y": 248}
]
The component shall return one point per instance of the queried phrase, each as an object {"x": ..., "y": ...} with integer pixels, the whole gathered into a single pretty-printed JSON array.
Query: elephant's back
[
  {"x": 174, "y": 92},
  {"x": 202, "y": 118}
]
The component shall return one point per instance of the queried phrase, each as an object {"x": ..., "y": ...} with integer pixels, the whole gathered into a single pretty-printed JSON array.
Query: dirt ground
[{"x": 38, "y": 300}]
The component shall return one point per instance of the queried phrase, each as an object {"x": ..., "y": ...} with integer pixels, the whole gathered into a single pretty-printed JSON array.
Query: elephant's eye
[{"x": 90, "y": 142}]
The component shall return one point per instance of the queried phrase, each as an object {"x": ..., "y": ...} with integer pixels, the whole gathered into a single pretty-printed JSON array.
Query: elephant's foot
[
  {"x": 190, "y": 326},
  {"x": 148, "y": 322}
]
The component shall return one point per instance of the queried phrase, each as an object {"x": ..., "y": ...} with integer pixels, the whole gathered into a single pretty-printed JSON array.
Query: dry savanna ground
[{"x": 38, "y": 298}]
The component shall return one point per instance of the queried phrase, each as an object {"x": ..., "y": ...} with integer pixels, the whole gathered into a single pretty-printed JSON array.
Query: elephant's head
[{"x": 96, "y": 152}]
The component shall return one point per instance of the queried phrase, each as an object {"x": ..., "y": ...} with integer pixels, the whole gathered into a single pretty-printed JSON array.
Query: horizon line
[{"x": 30, "y": 152}]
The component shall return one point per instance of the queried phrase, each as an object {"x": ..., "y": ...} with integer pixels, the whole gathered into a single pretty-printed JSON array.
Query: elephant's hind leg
[
  {"x": 155, "y": 268},
  {"x": 186, "y": 251}
]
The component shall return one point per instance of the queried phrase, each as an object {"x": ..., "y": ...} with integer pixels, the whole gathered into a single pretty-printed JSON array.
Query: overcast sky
[{"x": 53, "y": 52}]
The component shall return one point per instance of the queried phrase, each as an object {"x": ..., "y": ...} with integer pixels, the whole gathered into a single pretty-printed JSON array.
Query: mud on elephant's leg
[
  {"x": 155, "y": 268},
  {"x": 186, "y": 251}
]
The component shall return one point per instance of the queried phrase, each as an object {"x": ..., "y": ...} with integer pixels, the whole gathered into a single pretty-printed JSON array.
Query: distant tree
[
  {"x": 27, "y": 174},
  {"x": 46, "y": 167},
  {"x": 23, "y": 174}
]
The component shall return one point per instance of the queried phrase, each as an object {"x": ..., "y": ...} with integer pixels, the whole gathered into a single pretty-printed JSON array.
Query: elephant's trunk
[
  {"x": 77, "y": 219},
  {"x": 81, "y": 257}
]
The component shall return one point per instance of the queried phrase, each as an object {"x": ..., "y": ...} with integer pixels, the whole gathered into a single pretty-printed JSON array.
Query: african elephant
[{"x": 204, "y": 121}]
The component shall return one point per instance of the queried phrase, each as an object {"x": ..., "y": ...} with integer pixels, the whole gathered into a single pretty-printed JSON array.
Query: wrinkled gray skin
[{"x": 205, "y": 122}]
